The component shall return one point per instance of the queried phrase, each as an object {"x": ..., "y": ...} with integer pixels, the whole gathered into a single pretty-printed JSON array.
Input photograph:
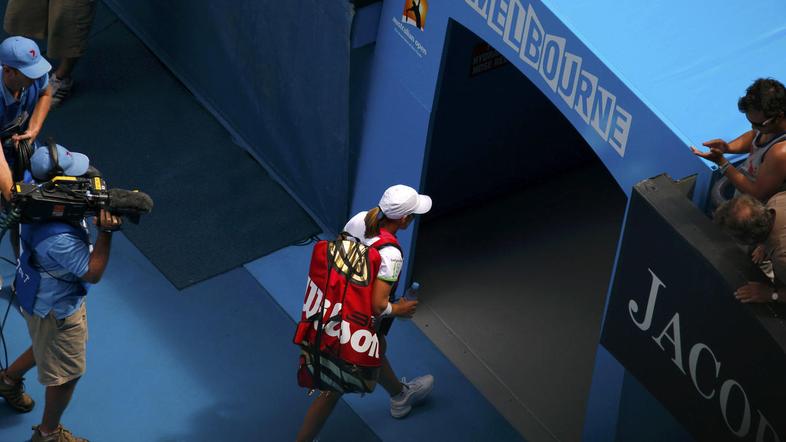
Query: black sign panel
[{"x": 717, "y": 365}]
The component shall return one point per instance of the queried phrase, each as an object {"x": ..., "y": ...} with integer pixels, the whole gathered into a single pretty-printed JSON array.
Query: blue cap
[
  {"x": 72, "y": 163},
  {"x": 23, "y": 54}
]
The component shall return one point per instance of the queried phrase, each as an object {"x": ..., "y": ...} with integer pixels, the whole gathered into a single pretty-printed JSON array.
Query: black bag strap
[{"x": 320, "y": 326}]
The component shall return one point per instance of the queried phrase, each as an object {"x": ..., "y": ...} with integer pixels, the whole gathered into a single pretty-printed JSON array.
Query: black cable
[
  {"x": 304, "y": 242},
  {"x": 2, "y": 335},
  {"x": 7, "y": 220}
]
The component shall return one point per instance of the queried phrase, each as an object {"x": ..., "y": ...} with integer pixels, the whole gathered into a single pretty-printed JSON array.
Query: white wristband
[{"x": 388, "y": 310}]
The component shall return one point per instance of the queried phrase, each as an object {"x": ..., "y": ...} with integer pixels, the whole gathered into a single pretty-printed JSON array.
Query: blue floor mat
[
  {"x": 216, "y": 207},
  {"x": 213, "y": 362}
]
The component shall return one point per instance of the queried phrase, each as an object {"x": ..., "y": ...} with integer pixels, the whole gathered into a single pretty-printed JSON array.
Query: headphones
[
  {"x": 56, "y": 170},
  {"x": 25, "y": 152}
]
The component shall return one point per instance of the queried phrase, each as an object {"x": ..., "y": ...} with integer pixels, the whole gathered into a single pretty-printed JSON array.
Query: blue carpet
[
  {"x": 213, "y": 362},
  {"x": 216, "y": 208},
  {"x": 454, "y": 411}
]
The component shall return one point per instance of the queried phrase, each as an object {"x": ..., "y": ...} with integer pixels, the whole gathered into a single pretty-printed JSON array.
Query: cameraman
[{"x": 52, "y": 272}]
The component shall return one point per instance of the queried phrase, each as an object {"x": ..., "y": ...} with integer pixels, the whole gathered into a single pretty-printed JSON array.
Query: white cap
[{"x": 400, "y": 200}]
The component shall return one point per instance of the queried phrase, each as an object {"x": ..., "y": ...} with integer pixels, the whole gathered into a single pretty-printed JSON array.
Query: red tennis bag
[{"x": 337, "y": 335}]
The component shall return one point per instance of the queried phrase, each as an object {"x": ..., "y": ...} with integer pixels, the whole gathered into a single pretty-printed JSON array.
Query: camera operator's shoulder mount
[{"x": 70, "y": 199}]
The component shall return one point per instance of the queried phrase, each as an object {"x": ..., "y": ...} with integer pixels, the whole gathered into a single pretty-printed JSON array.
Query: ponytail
[{"x": 373, "y": 218}]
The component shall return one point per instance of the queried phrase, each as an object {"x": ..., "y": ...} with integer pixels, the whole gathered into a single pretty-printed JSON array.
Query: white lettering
[
  {"x": 633, "y": 307},
  {"x": 361, "y": 340},
  {"x": 725, "y": 391},
  {"x": 533, "y": 39},
  {"x": 764, "y": 425},
  {"x": 672, "y": 332},
  {"x": 553, "y": 49},
  {"x": 373, "y": 350},
  {"x": 498, "y": 10},
  {"x": 619, "y": 137},
  {"x": 313, "y": 299},
  {"x": 346, "y": 333},
  {"x": 601, "y": 112},
  {"x": 571, "y": 68},
  {"x": 333, "y": 328},
  {"x": 324, "y": 312},
  {"x": 407, "y": 35},
  {"x": 513, "y": 33},
  {"x": 675, "y": 339},
  {"x": 693, "y": 362},
  {"x": 480, "y": 6},
  {"x": 585, "y": 95}
]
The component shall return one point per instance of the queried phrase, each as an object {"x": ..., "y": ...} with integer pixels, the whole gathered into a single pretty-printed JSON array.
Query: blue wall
[
  {"x": 630, "y": 138},
  {"x": 404, "y": 88}
]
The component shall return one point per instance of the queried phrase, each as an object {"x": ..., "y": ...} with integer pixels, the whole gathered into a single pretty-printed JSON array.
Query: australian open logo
[{"x": 415, "y": 13}]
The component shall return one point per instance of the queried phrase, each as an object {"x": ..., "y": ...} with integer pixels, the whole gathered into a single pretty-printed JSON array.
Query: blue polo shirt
[
  {"x": 10, "y": 107},
  {"x": 64, "y": 259}
]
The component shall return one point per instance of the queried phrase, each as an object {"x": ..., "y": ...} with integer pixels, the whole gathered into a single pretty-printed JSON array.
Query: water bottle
[{"x": 412, "y": 292}]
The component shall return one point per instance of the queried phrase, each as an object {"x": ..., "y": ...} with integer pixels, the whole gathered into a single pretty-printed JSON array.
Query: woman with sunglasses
[{"x": 763, "y": 174}]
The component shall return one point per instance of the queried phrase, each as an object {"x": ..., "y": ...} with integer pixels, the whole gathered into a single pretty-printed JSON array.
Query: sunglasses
[{"x": 764, "y": 123}]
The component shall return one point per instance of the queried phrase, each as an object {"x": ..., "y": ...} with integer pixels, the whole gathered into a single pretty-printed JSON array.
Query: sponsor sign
[
  {"x": 715, "y": 364},
  {"x": 486, "y": 58}
]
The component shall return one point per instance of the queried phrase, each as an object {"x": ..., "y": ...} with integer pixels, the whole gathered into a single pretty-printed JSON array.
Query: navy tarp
[{"x": 276, "y": 73}]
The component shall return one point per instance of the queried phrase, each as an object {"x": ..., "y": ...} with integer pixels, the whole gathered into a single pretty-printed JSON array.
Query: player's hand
[{"x": 404, "y": 308}]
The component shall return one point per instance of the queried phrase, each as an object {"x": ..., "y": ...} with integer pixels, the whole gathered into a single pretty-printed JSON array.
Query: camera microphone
[{"x": 130, "y": 203}]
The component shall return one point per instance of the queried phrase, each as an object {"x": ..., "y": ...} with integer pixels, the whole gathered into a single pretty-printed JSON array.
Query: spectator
[
  {"x": 751, "y": 222},
  {"x": 66, "y": 26},
  {"x": 764, "y": 105}
]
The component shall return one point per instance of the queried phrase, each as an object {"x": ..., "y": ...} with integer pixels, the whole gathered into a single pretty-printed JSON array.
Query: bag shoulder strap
[
  {"x": 33, "y": 234},
  {"x": 386, "y": 239}
]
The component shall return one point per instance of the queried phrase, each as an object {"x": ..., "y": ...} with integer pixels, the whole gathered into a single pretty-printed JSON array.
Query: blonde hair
[{"x": 373, "y": 220}]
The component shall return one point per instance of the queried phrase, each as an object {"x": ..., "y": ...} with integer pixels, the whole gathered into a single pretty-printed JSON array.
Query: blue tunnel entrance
[{"x": 516, "y": 257}]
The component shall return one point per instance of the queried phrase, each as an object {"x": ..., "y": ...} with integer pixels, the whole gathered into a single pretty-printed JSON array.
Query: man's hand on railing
[
  {"x": 757, "y": 256},
  {"x": 755, "y": 292}
]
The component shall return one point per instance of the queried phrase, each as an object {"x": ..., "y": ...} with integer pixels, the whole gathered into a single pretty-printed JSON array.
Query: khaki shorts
[
  {"x": 59, "y": 346},
  {"x": 64, "y": 23}
]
